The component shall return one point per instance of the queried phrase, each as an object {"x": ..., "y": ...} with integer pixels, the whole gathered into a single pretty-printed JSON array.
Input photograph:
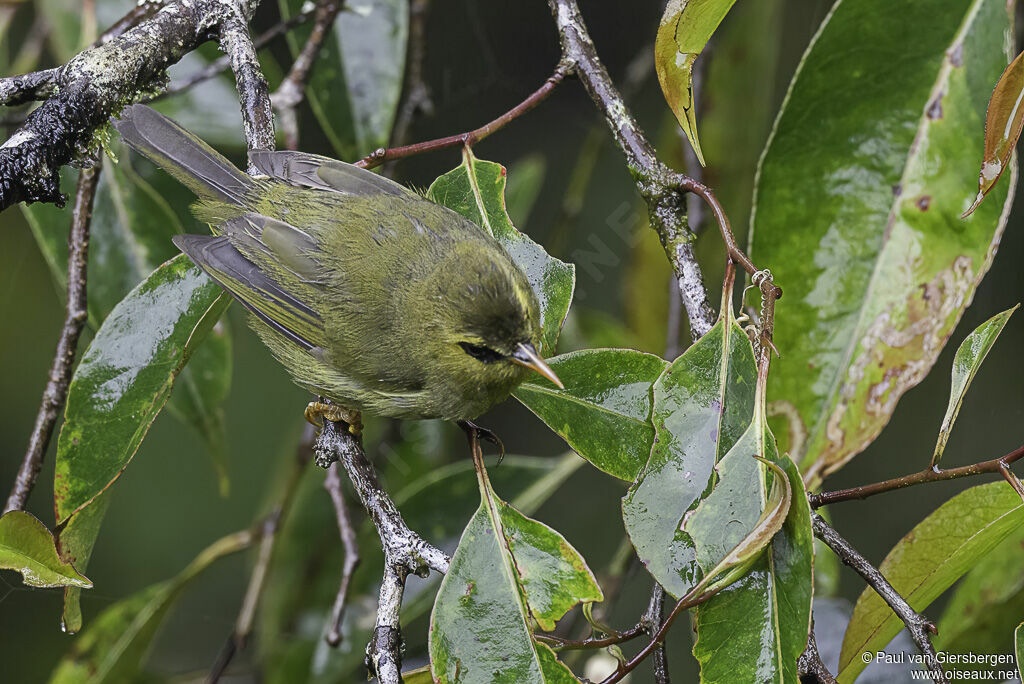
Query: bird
[{"x": 371, "y": 296}]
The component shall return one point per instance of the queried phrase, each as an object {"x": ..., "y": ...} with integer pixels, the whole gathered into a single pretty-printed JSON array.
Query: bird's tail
[{"x": 201, "y": 168}]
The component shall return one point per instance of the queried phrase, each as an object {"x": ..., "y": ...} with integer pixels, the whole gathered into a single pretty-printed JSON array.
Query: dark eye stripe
[{"x": 481, "y": 353}]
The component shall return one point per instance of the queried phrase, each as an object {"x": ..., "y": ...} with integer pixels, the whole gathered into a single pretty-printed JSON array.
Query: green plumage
[{"x": 367, "y": 293}]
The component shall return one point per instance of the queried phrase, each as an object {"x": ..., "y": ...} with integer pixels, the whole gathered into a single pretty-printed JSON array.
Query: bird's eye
[{"x": 481, "y": 353}]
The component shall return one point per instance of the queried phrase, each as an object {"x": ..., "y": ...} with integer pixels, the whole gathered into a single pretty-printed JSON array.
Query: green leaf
[
  {"x": 1018, "y": 648},
  {"x": 27, "y": 547},
  {"x": 604, "y": 412},
  {"x": 115, "y": 647},
  {"x": 756, "y": 628},
  {"x": 421, "y": 675},
  {"x": 686, "y": 26},
  {"x": 480, "y": 629},
  {"x": 868, "y": 160},
  {"x": 356, "y": 82},
  {"x": 927, "y": 561},
  {"x": 703, "y": 402},
  {"x": 75, "y": 542},
  {"x": 118, "y": 389},
  {"x": 1003, "y": 123},
  {"x": 968, "y": 359},
  {"x": 476, "y": 190},
  {"x": 988, "y": 603}
]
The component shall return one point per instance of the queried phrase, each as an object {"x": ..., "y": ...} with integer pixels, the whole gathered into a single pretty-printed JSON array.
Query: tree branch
[
  {"x": 75, "y": 314},
  {"x": 98, "y": 82},
  {"x": 653, "y": 621},
  {"x": 404, "y": 551},
  {"x": 417, "y": 92},
  {"x": 810, "y": 667},
  {"x": 289, "y": 94},
  {"x": 332, "y": 483},
  {"x": 996, "y": 465},
  {"x": 919, "y": 627}
]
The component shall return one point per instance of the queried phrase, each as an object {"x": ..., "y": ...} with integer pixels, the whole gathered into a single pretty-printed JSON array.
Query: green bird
[{"x": 367, "y": 293}]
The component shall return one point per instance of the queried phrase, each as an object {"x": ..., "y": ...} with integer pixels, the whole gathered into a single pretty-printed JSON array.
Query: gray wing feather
[{"x": 323, "y": 173}]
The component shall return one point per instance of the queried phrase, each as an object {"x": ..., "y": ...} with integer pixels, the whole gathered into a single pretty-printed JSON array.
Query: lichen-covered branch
[
  {"x": 405, "y": 551},
  {"x": 810, "y": 667},
  {"x": 75, "y": 314},
  {"x": 99, "y": 81},
  {"x": 920, "y": 627},
  {"x": 253, "y": 93}
]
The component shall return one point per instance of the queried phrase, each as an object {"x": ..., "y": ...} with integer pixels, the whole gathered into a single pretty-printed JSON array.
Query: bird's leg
[
  {"x": 405, "y": 551},
  {"x": 322, "y": 409},
  {"x": 475, "y": 432}
]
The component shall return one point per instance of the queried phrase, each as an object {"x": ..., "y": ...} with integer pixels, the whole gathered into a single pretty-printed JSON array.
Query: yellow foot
[{"x": 318, "y": 411}]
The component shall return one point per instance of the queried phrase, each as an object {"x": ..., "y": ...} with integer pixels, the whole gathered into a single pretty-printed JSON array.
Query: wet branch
[
  {"x": 75, "y": 315},
  {"x": 405, "y": 551},
  {"x": 920, "y": 627},
  {"x": 999, "y": 465}
]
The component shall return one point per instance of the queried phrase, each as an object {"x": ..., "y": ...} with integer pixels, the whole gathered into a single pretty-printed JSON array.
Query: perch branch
[
  {"x": 289, "y": 94},
  {"x": 405, "y": 551},
  {"x": 95, "y": 84},
  {"x": 332, "y": 483},
  {"x": 810, "y": 667},
  {"x": 75, "y": 314},
  {"x": 469, "y": 138},
  {"x": 919, "y": 627},
  {"x": 996, "y": 465}
]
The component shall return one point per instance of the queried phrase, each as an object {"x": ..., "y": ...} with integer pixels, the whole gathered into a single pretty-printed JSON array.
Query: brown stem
[
  {"x": 920, "y": 628},
  {"x": 602, "y": 642},
  {"x": 332, "y": 483},
  {"x": 289, "y": 94},
  {"x": 75, "y": 314},
  {"x": 996, "y": 465},
  {"x": 810, "y": 667},
  {"x": 469, "y": 138}
]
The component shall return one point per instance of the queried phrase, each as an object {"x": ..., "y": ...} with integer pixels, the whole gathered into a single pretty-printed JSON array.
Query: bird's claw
[
  {"x": 474, "y": 431},
  {"x": 320, "y": 410}
]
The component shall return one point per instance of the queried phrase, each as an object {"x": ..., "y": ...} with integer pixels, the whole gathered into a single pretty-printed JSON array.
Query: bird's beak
[{"x": 526, "y": 355}]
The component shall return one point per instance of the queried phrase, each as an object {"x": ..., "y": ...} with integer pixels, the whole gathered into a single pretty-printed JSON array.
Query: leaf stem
[
  {"x": 996, "y": 465},
  {"x": 75, "y": 315}
]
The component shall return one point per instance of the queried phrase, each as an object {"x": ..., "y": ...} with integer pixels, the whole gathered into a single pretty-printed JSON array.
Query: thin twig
[
  {"x": 289, "y": 94},
  {"x": 76, "y": 312},
  {"x": 332, "y": 483},
  {"x": 594, "y": 642},
  {"x": 405, "y": 551},
  {"x": 469, "y": 138},
  {"x": 253, "y": 94},
  {"x": 417, "y": 93},
  {"x": 996, "y": 465},
  {"x": 810, "y": 667},
  {"x": 920, "y": 628},
  {"x": 653, "y": 620}
]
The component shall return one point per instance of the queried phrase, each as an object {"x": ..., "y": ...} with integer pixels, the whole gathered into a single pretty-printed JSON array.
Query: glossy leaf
[
  {"x": 604, "y": 412},
  {"x": 480, "y": 628},
  {"x": 928, "y": 560},
  {"x": 703, "y": 402},
  {"x": 28, "y": 548},
  {"x": 476, "y": 190},
  {"x": 307, "y": 562},
  {"x": 868, "y": 160},
  {"x": 356, "y": 82},
  {"x": 75, "y": 542},
  {"x": 968, "y": 360},
  {"x": 685, "y": 29},
  {"x": 115, "y": 647},
  {"x": 988, "y": 603},
  {"x": 1018, "y": 648},
  {"x": 1003, "y": 122}
]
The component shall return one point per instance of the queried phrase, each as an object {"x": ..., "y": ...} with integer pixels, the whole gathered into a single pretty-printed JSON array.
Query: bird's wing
[
  {"x": 323, "y": 173},
  {"x": 256, "y": 290}
]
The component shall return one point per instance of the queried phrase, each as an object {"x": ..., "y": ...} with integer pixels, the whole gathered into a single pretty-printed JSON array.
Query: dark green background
[{"x": 482, "y": 58}]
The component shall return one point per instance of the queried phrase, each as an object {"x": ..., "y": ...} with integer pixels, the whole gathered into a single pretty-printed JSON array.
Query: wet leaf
[
  {"x": 28, "y": 548},
  {"x": 75, "y": 542},
  {"x": 1018, "y": 649},
  {"x": 968, "y": 360},
  {"x": 115, "y": 647},
  {"x": 604, "y": 412},
  {"x": 356, "y": 82},
  {"x": 928, "y": 560},
  {"x": 480, "y": 624},
  {"x": 703, "y": 402},
  {"x": 869, "y": 161},
  {"x": 1003, "y": 122},
  {"x": 685, "y": 29},
  {"x": 988, "y": 603},
  {"x": 119, "y": 387},
  {"x": 476, "y": 190}
]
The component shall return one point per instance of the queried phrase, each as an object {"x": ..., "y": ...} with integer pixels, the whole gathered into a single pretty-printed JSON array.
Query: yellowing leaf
[
  {"x": 1003, "y": 123},
  {"x": 685, "y": 29}
]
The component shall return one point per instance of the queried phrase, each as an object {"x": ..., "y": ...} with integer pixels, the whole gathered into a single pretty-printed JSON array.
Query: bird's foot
[
  {"x": 474, "y": 433},
  {"x": 320, "y": 410}
]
